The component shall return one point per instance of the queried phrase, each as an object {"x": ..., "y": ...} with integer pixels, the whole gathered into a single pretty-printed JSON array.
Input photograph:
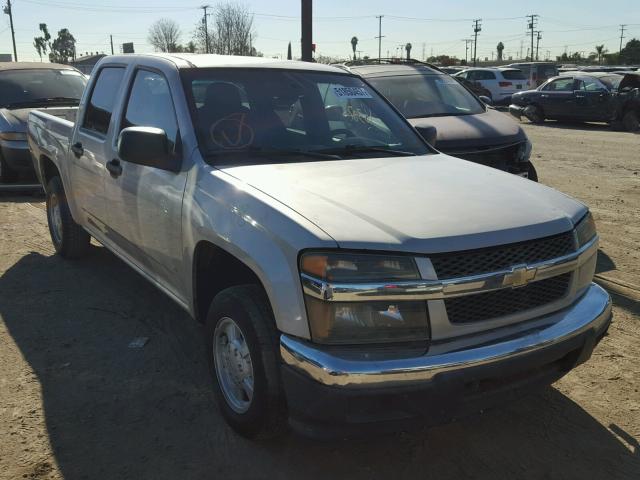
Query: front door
[
  {"x": 558, "y": 99},
  {"x": 145, "y": 202},
  {"x": 90, "y": 149}
]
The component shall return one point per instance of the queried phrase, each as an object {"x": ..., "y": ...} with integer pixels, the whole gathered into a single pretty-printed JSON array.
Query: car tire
[
  {"x": 534, "y": 113},
  {"x": 532, "y": 173},
  {"x": 7, "y": 174},
  {"x": 254, "y": 407},
  {"x": 69, "y": 239},
  {"x": 631, "y": 121}
]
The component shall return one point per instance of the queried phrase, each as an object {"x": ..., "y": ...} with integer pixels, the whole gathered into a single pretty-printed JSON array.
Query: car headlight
[
  {"x": 585, "y": 230},
  {"x": 13, "y": 136},
  {"x": 524, "y": 152},
  {"x": 362, "y": 321}
]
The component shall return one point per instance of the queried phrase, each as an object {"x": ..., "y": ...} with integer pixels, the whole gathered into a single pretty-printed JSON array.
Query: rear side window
[
  {"x": 513, "y": 75},
  {"x": 484, "y": 75},
  {"x": 103, "y": 99},
  {"x": 150, "y": 105},
  {"x": 560, "y": 85}
]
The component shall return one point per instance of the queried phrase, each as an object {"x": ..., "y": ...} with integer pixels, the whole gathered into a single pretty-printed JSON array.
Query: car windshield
[
  {"x": 428, "y": 95},
  {"x": 22, "y": 88},
  {"x": 293, "y": 114}
]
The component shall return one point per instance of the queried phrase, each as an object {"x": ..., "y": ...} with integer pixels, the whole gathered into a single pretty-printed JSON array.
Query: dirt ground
[{"x": 77, "y": 403}]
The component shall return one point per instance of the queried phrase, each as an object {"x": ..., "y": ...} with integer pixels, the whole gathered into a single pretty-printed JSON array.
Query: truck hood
[
  {"x": 425, "y": 204},
  {"x": 468, "y": 131},
  {"x": 14, "y": 120}
]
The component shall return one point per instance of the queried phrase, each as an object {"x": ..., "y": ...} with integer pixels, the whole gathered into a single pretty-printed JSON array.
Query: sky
[{"x": 433, "y": 28}]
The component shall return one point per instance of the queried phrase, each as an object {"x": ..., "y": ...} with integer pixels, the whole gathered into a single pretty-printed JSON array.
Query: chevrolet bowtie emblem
[{"x": 519, "y": 276}]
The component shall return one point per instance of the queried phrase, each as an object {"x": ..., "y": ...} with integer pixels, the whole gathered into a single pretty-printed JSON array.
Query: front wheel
[
  {"x": 69, "y": 239},
  {"x": 242, "y": 347},
  {"x": 532, "y": 173},
  {"x": 534, "y": 113}
]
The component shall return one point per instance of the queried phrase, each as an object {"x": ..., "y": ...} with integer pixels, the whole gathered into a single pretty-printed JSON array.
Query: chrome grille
[
  {"x": 485, "y": 306},
  {"x": 473, "y": 262}
]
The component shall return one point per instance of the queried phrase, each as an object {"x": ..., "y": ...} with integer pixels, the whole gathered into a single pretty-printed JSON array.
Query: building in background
[
  {"x": 6, "y": 57},
  {"x": 85, "y": 64}
]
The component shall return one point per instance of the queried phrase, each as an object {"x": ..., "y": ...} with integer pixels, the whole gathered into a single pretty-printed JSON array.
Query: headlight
[
  {"x": 524, "y": 152},
  {"x": 585, "y": 230},
  {"x": 13, "y": 136},
  {"x": 363, "y": 321}
]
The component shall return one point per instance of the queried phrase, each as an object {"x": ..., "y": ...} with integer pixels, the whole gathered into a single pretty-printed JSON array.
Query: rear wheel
[
  {"x": 69, "y": 239},
  {"x": 631, "y": 121},
  {"x": 242, "y": 345},
  {"x": 534, "y": 113},
  {"x": 7, "y": 174}
]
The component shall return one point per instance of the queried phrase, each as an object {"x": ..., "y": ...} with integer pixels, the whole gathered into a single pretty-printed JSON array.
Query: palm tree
[
  {"x": 600, "y": 52},
  {"x": 407, "y": 47},
  {"x": 500, "y": 48},
  {"x": 354, "y": 44}
]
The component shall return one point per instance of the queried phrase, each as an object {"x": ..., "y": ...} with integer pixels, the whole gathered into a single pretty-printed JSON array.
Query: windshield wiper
[
  {"x": 44, "y": 100},
  {"x": 348, "y": 149},
  {"x": 276, "y": 152}
]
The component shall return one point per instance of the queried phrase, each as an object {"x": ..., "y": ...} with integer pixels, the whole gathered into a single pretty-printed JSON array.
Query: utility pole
[
  {"x": 8, "y": 11},
  {"x": 521, "y": 47},
  {"x": 533, "y": 20},
  {"x": 622, "y": 28},
  {"x": 307, "y": 32},
  {"x": 380, "y": 37},
  {"x": 424, "y": 51},
  {"x": 538, "y": 44},
  {"x": 111, "y": 37},
  {"x": 467, "y": 42},
  {"x": 206, "y": 29},
  {"x": 477, "y": 28}
]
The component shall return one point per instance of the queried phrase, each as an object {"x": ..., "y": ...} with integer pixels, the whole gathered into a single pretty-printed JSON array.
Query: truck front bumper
[{"x": 330, "y": 394}]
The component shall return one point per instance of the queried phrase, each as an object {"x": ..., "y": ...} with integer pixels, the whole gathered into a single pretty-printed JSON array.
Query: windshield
[
  {"x": 21, "y": 88},
  {"x": 248, "y": 111},
  {"x": 427, "y": 95}
]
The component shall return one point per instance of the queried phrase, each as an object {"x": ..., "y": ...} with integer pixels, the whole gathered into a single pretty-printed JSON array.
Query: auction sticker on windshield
[{"x": 351, "y": 92}]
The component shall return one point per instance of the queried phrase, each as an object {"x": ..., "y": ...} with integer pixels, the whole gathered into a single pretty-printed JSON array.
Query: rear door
[
  {"x": 89, "y": 148},
  {"x": 145, "y": 202},
  {"x": 557, "y": 98}
]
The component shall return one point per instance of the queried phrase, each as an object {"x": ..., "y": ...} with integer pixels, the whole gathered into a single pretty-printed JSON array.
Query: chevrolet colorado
[{"x": 349, "y": 277}]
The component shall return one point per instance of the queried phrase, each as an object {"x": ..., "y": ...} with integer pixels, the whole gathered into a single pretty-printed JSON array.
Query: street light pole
[{"x": 307, "y": 32}]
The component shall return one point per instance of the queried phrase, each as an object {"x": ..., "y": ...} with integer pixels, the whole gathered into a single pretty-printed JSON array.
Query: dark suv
[{"x": 451, "y": 117}]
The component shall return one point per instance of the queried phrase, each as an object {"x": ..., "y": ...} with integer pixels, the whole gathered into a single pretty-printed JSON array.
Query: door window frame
[{"x": 94, "y": 133}]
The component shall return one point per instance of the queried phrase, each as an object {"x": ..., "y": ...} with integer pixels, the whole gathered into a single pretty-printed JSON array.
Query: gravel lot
[{"x": 76, "y": 402}]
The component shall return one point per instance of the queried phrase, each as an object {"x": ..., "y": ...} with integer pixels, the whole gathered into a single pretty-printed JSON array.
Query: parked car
[
  {"x": 475, "y": 88},
  {"x": 24, "y": 86},
  {"x": 501, "y": 82},
  {"x": 451, "y": 118},
  {"x": 536, "y": 72},
  {"x": 451, "y": 70},
  {"x": 349, "y": 276},
  {"x": 587, "y": 97}
]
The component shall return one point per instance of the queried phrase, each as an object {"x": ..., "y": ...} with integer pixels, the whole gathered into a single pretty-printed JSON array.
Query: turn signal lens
[
  {"x": 350, "y": 268},
  {"x": 586, "y": 230}
]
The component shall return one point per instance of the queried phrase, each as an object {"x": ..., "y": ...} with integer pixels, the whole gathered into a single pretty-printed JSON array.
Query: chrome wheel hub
[
  {"x": 55, "y": 216},
  {"x": 233, "y": 365}
]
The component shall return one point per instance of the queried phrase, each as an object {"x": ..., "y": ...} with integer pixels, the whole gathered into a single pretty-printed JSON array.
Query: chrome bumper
[{"x": 591, "y": 312}]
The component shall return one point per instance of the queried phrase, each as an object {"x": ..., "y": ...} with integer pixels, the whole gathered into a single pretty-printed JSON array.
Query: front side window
[
  {"x": 427, "y": 95},
  {"x": 35, "y": 87},
  {"x": 279, "y": 111},
  {"x": 560, "y": 85},
  {"x": 150, "y": 105},
  {"x": 103, "y": 99}
]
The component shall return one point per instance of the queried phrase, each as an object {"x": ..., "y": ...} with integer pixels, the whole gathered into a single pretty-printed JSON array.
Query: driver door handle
[
  {"x": 114, "y": 167},
  {"x": 77, "y": 149}
]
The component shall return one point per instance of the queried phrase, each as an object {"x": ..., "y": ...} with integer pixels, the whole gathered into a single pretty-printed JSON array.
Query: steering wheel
[{"x": 342, "y": 131}]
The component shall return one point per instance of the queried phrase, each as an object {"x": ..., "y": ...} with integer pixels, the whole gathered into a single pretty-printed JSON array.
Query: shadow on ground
[{"x": 116, "y": 412}]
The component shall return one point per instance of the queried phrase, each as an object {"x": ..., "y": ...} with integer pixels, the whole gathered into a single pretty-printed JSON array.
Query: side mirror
[
  {"x": 486, "y": 100},
  {"x": 429, "y": 133},
  {"x": 147, "y": 146}
]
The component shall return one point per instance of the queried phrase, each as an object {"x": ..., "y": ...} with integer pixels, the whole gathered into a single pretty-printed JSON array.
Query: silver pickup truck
[{"x": 349, "y": 277}]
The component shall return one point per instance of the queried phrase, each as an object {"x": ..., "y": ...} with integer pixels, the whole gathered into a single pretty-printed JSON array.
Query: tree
[
  {"x": 354, "y": 45},
  {"x": 500, "y": 49},
  {"x": 600, "y": 53},
  {"x": 164, "y": 35},
  {"x": 202, "y": 36},
  {"x": 407, "y": 47},
  {"x": 42, "y": 43},
  {"x": 289, "y": 56},
  {"x": 233, "y": 26},
  {"x": 63, "y": 48},
  {"x": 630, "y": 54}
]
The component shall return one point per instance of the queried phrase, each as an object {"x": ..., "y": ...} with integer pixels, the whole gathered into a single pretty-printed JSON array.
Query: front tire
[
  {"x": 532, "y": 173},
  {"x": 69, "y": 239},
  {"x": 534, "y": 113},
  {"x": 242, "y": 348}
]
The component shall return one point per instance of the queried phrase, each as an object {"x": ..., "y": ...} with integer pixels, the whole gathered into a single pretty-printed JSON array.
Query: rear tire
[
  {"x": 534, "y": 113},
  {"x": 631, "y": 121},
  {"x": 254, "y": 407},
  {"x": 7, "y": 174},
  {"x": 69, "y": 239}
]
